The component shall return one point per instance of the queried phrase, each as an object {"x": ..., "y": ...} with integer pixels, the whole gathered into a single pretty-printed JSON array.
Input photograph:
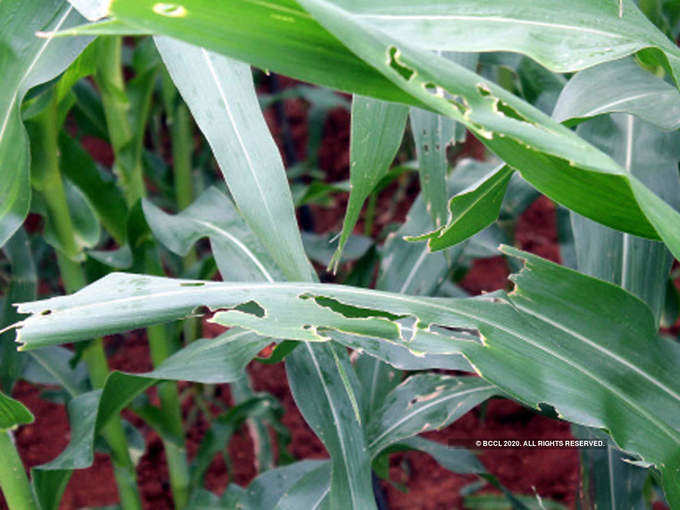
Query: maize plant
[{"x": 577, "y": 101}]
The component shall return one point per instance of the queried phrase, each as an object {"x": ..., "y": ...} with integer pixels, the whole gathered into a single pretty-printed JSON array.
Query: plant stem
[
  {"x": 161, "y": 346},
  {"x": 95, "y": 359},
  {"x": 182, "y": 148},
  {"x": 116, "y": 106},
  {"x": 175, "y": 451},
  {"x": 46, "y": 177},
  {"x": 13, "y": 480},
  {"x": 109, "y": 78}
]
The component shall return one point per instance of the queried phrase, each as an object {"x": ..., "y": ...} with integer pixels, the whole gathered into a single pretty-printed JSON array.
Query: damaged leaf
[{"x": 593, "y": 367}]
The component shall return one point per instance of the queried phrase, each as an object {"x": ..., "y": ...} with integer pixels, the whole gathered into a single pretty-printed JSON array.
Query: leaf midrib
[{"x": 30, "y": 67}]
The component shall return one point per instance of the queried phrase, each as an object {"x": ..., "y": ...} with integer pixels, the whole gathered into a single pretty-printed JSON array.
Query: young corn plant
[{"x": 578, "y": 101}]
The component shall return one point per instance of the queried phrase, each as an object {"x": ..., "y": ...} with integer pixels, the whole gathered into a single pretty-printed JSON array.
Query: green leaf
[
  {"x": 376, "y": 134},
  {"x": 594, "y": 368},
  {"x": 254, "y": 173},
  {"x": 639, "y": 359},
  {"x": 13, "y": 413},
  {"x": 471, "y": 211},
  {"x": 213, "y": 360},
  {"x": 23, "y": 285},
  {"x": 433, "y": 134},
  {"x": 671, "y": 309},
  {"x": 265, "y": 409},
  {"x": 424, "y": 402},
  {"x": 226, "y": 109},
  {"x": 49, "y": 487},
  {"x": 549, "y": 156},
  {"x": 319, "y": 248},
  {"x": 32, "y": 61},
  {"x": 594, "y": 34},
  {"x": 238, "y": 254},
  {"x": 639, "y": 265},
  {"x": 53, "y": 365},
  {"x": 456, "y": 460},
  {"x": 412, "y": 268},
  {"x": 332, "y": 413},
  {"x": 273, "y": 485},
  {"x": 377, "y": 379},
  {"x": 609, "y": 478},
  {"x": 102, "y": 193},
  {"x": 84, "y": 65},
  {"x": 485, "y": 109},
  {"x": 79, "y": 454},
  {"x": 221, "y": 430},
  {"x": 601, "y": 90},
  {"x": 220, "y": 360},
  {"x": 309, "y": 492}
]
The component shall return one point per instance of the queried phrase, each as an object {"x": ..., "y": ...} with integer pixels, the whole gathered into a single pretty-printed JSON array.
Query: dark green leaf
[
  {"x": 13, "y": 413},
  {"x": 471, "y": 211},
  {"x": 23, "y": 284}
]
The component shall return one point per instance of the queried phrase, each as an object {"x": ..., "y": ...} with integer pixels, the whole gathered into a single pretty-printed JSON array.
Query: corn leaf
[
  {"x": 376, "y": 134},
  {"x": 26, "y": 61},
  {"x": 424, "y": 402},
  {"x": 601, "y": 90},
  {"x": 471, "y": 211},
  {"x": 23, "y": 284},
  {"x": 238, "y": 253},
  {"x": 564, "y": 325},
  {"x": 549, "y": 156},
  {"x": 12, "y": 413},
  {"x": 226, "y": 109}
]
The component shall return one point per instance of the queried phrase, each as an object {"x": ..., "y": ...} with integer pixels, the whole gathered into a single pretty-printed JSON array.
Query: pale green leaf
[
  {"x": 27, "y": 61},
  {"x": 639, "y": 265},
  {"x": 238, "y": 254},
  {"x": 566, "y": 326},
  {"x": 424, "y": 402},
  {"x": 332, "y": 413},
  {"x": 226, "y": 109},
  {"x": 376, "y": 133},
  {"x": 621, "y": 86}
]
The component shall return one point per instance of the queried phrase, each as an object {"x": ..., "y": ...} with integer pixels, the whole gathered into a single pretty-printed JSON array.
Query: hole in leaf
[
  {"x": 548, "y": 410},
  {"x": 509, "y": 111},
  {"x": 483, "y": 90},
  {"x": 252, "y": 308},
  {"x": 170, "y": 10},
  {"x": 460, "y": 333},
  {"x": 353, "y": 312},
  {"x": 430, "y": 88},
  {"x": 46, "y": 312},
  {"x": 405, "y": 72},
  {"x": 460, "y": 103},
  {"x": 201, "y": 310},
  {"x": 192, "y": 284}
]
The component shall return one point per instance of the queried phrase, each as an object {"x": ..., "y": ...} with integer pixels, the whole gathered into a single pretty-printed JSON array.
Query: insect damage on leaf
[
  {"x": 404, "y": 71},
  {"x": 170, "y": 10}
]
